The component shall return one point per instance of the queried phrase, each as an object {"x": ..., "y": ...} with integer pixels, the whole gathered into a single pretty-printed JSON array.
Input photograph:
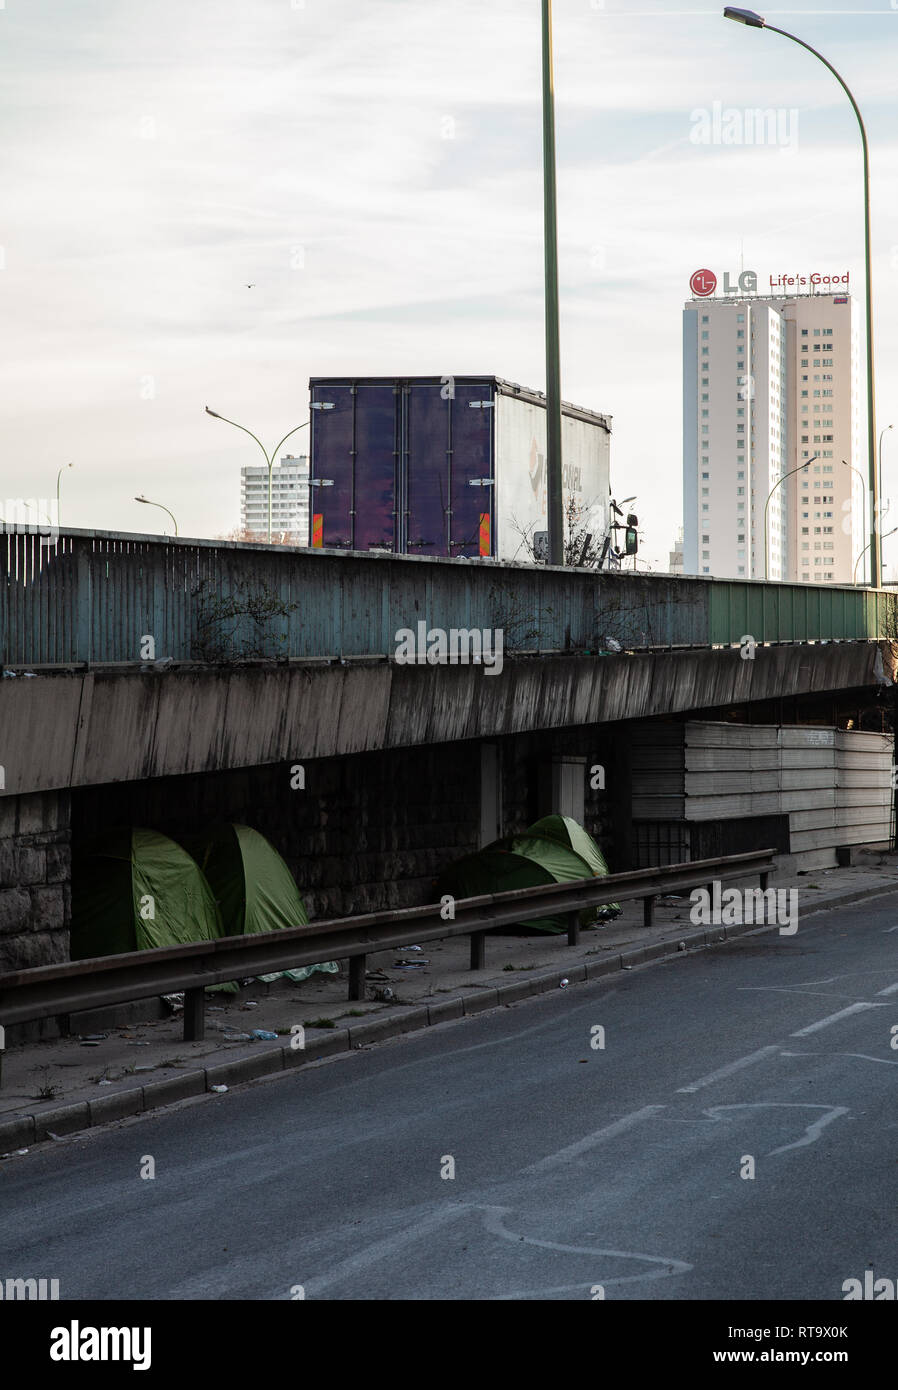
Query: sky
[{"x": 373, "y": 169}]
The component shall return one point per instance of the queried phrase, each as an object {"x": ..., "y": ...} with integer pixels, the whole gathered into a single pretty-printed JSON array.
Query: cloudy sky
[{"x": 373, "y": 169}]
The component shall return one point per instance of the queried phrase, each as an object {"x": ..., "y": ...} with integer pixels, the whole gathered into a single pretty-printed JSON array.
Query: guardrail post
[
  {"x": 194, "y": 1014},
  {"x": 357, "y": 977},
  {"x": 478, "y": 950},
  {"x": 573, "y": 928},
  {"x": 648, "y": 910}
]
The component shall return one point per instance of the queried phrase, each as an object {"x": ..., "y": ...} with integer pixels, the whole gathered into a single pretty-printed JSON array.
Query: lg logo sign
[{"x": 704, "y": 282}]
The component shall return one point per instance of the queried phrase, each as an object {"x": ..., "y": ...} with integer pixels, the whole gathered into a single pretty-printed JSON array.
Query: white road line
[
  {"x": 788, "y": 989},
  {"x": 889, "y": 989},
  {"x": 865, "y": 1057},
  {"x": 728, "y": 1070},
  {"x": 493, "y": 1221},
  {"x": 589, "y": 1141},
  {"x": 834, "y": 1018},
  {"x": 384, "y": 1249},
  {"x": 813, "y": 1132}
]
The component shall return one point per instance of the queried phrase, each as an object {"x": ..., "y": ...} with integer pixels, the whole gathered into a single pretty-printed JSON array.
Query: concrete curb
[{"x": 23, "y": 1130}]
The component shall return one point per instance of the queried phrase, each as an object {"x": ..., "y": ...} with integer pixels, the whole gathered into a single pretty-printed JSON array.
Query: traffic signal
[{"x": 631, "y": 538}]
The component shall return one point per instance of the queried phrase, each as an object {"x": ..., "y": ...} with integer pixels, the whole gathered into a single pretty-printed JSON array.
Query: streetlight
[
  {"x": 864, "y": 551},
  {"x": 148, "y": 503},
  {"x": 767, "y": 504},
  {"x": 881, "y": 433},
  {"x": 58, "y": 476},
  {"x": 755, "y": 21},
  {"x": 864, "y": 495},
  {"x": 554, "y": 500},
  {"x": 33, "y": 507},
  {"x": 268, "y": 460}
]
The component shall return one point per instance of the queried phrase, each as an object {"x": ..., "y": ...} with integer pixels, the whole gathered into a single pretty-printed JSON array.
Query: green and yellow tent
[
  {"x": 136, "y": 889},
  {"x": 554, "y": 849}
]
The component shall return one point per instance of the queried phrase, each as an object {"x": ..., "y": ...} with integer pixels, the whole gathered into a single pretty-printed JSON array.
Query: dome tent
[
  {"x": 134, "y": 890},
  {"x": 254, "y": 888},
  {"x": 552, "y": 850}
]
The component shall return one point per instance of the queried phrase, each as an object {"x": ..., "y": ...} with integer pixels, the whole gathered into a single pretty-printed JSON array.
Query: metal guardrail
[
  {"x": 96, "y": 597},
  {"x": 73, "y": 986}
]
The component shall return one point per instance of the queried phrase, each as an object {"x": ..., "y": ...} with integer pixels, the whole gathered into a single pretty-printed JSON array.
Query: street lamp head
[
  {"x": 754, "y": 21},
  {"x": 213, "y": 412},
  {"x": 141, "y": 499}
]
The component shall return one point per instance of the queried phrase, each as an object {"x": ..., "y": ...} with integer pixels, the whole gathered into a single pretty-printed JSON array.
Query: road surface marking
[
  {"x": 728, "y": 1070},
  {"x": 865, "y": 1056},
  {"x": 589, "y": 1141},
  {"x": 383, "y": 1249},
  {"x": 788, "y": 989},
  {"x": 812, "y": 1132},
  {"x": 889, "y": 989},
  {"x": 834, "y": 1018},
  {"x": 493, "y": 1221}
]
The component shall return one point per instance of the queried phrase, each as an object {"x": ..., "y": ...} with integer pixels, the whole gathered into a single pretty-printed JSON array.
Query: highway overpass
[{"x": 170, "y": 681}]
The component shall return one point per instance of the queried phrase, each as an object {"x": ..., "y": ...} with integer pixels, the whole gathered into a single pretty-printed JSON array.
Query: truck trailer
[{"x": 449, "y": 466}]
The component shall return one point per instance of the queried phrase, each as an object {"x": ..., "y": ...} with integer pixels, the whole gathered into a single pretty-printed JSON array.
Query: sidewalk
[{"x": 64, "y": 1085}]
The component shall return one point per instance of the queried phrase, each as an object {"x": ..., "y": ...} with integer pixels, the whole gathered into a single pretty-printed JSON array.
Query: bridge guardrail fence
[
  {"x": 96, "y": 597},
  {"x": 73, "y": 986}
]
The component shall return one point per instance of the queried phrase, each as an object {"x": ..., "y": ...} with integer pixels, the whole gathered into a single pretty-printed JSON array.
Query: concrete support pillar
[{"x": 35, "y": 880}]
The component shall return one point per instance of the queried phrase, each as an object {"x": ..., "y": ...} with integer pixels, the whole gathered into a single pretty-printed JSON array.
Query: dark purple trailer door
[
  {"x": 446, "y": 458},
  {"x": 354, "y": 451}
]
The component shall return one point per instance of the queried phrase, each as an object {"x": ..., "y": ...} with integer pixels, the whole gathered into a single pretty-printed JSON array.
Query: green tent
[
  {"x": 495, "y": 870},
  {"x": 253, "y": 887},
  {"x": 134, "y": 890},
  {"x": 552, "y": 850}
]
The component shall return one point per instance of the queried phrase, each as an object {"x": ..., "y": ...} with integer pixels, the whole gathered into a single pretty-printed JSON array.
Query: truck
[{"x": 451, "y": 466}]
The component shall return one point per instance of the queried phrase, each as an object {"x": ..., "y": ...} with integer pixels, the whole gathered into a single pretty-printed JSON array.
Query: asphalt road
[{"x": 575, "y": 1166}]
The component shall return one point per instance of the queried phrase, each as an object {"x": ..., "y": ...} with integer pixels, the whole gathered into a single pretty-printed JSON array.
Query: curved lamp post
[
  {"x": 864, "y": 551},
  {"x": 268, "y": 459},
  {"x": 864, "y": 495},
  {"x": 806, "y": 464},
  {"x": 148, "y": 503},
  {"x": 756, "y": 21},
  {"x": 59, "y": 476},
  {"x": 883, "y": 431}
]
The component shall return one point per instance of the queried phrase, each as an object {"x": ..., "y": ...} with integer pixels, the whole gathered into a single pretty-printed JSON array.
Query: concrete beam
[{"x": 71, "y": 729}]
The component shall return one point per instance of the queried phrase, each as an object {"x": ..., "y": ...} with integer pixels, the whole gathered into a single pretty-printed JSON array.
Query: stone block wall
[{"x": 35, "y": 874}]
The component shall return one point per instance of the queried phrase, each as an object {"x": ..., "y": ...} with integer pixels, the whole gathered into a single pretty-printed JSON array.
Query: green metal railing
[{"x": 98, "y": 597}]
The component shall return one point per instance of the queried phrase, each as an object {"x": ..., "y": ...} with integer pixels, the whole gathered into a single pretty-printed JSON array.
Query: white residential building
[
  {"x": 767, "y": 384},
  {"x": 289, "y": 499}
]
